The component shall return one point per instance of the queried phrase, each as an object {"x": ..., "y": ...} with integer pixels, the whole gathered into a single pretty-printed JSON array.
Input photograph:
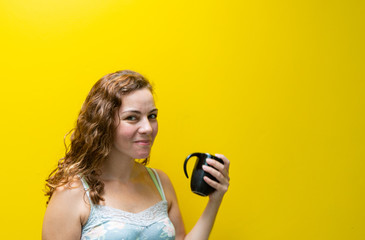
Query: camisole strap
[
  {"x": 87, "y": 188},
  {"x": 156, "y": 181}
]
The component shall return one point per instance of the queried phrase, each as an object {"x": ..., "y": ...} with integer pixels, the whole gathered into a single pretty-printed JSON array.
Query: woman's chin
[{"x": 142, "y": 155}]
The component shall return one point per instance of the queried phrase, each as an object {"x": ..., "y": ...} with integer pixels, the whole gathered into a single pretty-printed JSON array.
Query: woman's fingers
[
  {"x": 219, "y": 175},
  {"x": 225, "y": 160},
  {"x": 216, "y": 185},
  {"x": 214, "y": 163},
  {"x": 219, "y": 171},
  {"x": 223, "y": 168}
]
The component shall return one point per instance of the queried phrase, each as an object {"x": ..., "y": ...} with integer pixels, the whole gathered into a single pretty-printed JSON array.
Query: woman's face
[{"x": 138, "y": 126}]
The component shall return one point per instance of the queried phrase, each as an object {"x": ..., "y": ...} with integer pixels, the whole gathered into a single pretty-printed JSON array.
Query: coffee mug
[{"x": 197, "y": 183}]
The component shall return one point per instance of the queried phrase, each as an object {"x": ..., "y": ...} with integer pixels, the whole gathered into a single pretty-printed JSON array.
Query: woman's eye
[
  {"x": 131, "y": 118},
  {"x": 152, "y": 116}
]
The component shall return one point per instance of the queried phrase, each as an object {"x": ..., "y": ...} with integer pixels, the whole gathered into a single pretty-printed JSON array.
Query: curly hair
[{"x": 92, "y": 138}]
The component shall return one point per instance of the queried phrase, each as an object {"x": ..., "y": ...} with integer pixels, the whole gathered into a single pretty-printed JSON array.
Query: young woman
[{"x": 101, "y": 191}]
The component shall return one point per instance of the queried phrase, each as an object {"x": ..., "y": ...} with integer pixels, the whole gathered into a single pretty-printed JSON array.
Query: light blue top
[{"x": 109, "y": 223}]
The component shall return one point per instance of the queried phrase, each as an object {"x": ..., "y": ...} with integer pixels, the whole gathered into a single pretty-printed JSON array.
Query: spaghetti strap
[
  {"x": 86, "y": 188},
  {"x": 156, "y": 181}
]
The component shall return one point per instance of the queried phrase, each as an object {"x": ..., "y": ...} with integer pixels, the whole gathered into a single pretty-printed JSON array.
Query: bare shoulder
[
  {"x": 71, "y": 192},
  {"x": 66, "y": 212},
  {"x": 162, "y": 174},
  {"x": 165, "y": 180},
  {"x": 167, "y": 186}
]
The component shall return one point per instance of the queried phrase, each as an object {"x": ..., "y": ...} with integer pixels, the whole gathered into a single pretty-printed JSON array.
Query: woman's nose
[{"x": 145, "y": 127}]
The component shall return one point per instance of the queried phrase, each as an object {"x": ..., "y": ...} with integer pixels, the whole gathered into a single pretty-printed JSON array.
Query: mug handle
[{"x": 186, "y": 161}]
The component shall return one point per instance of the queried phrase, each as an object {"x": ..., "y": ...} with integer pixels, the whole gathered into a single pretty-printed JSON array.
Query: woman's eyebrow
[
  {"x": 131, "y": 111},
  {"x": 138, "y": 112}
]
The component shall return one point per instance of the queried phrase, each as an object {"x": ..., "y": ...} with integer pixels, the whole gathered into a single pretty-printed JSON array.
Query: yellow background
[{"x": 276, "y": 86}]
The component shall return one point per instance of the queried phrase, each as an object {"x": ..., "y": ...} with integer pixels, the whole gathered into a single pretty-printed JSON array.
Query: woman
[{"x": 100, "y": 191}]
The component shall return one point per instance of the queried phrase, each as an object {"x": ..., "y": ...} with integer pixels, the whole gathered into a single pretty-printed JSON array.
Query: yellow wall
[{"x": 277, "y": 86}]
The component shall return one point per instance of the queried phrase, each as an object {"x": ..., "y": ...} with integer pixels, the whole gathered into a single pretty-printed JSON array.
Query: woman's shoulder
[
  {"x": 66, "y": 212},
  {"x": 166, "y": 183},
  {"x": 70, "y": 199},
  {"x": 73, "y": 189},
  {"x": 163, "y": 176}
]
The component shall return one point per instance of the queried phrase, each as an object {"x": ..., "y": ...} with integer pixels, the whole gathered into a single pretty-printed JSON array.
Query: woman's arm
[
  {"x": 204, "y": 226},
  {"x": 65, "y": 214}
]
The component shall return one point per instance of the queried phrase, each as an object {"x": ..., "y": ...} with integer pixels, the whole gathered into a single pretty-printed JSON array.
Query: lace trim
[{"x": 100, "y": 214}]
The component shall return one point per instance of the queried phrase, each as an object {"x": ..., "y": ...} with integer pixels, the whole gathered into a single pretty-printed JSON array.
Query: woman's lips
[{"x": 143, "y": 142}]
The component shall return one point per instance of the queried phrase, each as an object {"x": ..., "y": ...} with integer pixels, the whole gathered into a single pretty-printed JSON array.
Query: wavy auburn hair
[{"x": 92, "y": 138}]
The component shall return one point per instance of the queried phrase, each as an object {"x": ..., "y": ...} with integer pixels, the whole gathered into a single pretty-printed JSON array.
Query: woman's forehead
[{"x": 138, "y": 100}]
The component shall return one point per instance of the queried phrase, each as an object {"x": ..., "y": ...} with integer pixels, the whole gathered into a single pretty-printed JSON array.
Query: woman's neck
[{"x": 119, "y": 167}]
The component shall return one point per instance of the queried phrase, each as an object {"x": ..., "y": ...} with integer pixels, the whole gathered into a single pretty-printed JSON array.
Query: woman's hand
[{"x": 221, "y": 173}]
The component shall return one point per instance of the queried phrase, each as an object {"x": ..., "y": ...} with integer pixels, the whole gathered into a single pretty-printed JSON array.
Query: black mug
[{"x": 197, "y": 183}]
